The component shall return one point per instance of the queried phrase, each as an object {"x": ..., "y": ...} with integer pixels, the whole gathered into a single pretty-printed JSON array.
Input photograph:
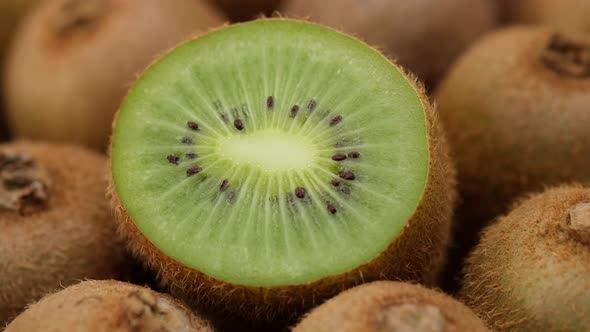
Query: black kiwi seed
[
  {"x": 345, "y": 190},
  {"x": 300, "y": 192},
  {"x": 339, "y": 157},
  {"x": 238, "y": 124},
  {"x": 192, "y": 125},
  {"x": 270, "y": 103},
  {"x": 335, "y": 120},
  {"x": 224, "y": 185},
  {"x": 354, "y": 154},
  {"x": 331, "y": 208},
  {"x": 311, "y": 105},
  {"x": 335, "y": 183},
  {"x": 294, "y": 111},
  {"x": 191, "y": 155},
  {"x": 346, "y": 175},
  {"x": 186, "y": 140},
  {"x": 173, "y": 159},
  {"x": 193, "y": 170}
]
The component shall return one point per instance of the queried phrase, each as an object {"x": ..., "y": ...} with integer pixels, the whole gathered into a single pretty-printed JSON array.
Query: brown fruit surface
[
  {"x": 530, "y": 271},
  {"x": 562, "y": 14},
  {"x": 73, "y": 61},
  {"x": 55, "y": 224},
  {"x": 108, "y": 306},
  {"x": 391, "y": 306},
  {"x": 243, "y": 10},
  {"x": 515, "y": 108},
  {"x": 417, "y": 254},
  {"x": 425, "y": 36}
]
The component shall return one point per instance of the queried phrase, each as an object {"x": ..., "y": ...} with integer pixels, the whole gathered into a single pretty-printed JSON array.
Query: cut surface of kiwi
[{"x": 279, "y": 153}]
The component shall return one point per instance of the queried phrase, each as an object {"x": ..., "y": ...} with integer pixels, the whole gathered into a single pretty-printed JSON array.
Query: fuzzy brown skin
[
  {"x": 69, "y": 69},
  {"x": 71, "y": 237},
  {"x": 108, "y": 306},
  {"x": 562, "y": 14},
  {"x": 11, "y": 12},
  {"x": 515, "y": 122},
  {"x": 417, "y": 254},
  {"x": 368, "y": 308},
  {"x": 425, "y": 36},
  {"x": 244, "y": 10},
  {"x": 530, "y": 271}
]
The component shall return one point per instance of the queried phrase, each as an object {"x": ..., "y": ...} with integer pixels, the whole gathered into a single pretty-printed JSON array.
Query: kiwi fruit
[
  {"x": 244, "y": 10},
  {"x": 73, "y": 60},
  {"x": 530, "y": 270},
  {"x": 424, "y": 36},
  {"x": 270, "y": 164},
  {"x": 108, "y": 306},
  {"x": 55, "y": 221},
  {"x": 391, "y": 306},
  {"x": 11, "y": 12},
  {"x": 519, "y": 124},
  {"x": 569, "y": 15}
]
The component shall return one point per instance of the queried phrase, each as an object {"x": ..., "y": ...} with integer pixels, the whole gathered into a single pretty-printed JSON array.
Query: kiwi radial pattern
[
  {"x": 530, "y": 270},
  {"x": 266, "y": 166},
  {"x": 108, "y": 306}
]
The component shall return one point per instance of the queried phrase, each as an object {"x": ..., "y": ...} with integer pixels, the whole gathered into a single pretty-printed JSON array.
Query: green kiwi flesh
[
  {"x": 424, "y": 36},
  {"x": 530, "y": 270},
  {"x": 108, "y": 306},
  {"x": 56, "y": 227},
  {"x": 279, "y": 153},
  {"x": 391, "y": 306}
]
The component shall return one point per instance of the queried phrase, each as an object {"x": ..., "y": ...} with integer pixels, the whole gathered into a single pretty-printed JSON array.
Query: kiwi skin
[
  {"x": 369, "y": 307},
  {"x": 517, "y": 126},
  {"x": 69, "y": 237},
  {"x": 425, "y": 36},
  {"x": 417, "y": 254},
  {"x": 564, "y": 14},
  {"x": 530, "y": 270},
  {"x": 105, "y": 306},
  {"x": 73, "y": 61}
]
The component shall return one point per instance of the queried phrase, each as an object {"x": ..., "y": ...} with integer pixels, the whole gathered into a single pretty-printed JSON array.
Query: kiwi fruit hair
[
  {"x": 425, "y": 36},
  {"x": 265, "y": 182},
  {"x": 519, "y": 124},
  {"x": 244, "y": 10},
  {"x": 108, "y": 306},
  {"x": 530, "y": 270},
  {"x": 56, "y": 224},
  {"x": 571, "y": 15},
  {"x": 391, "y": 306},
  {"x": 73, "y": 60}
]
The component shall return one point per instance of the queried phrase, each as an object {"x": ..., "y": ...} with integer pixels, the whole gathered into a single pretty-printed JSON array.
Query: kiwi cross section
[{"x": 271, "y": 153}]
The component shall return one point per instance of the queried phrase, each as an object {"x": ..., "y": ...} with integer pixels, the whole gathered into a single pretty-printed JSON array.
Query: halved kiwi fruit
[
  {"x": 267, "y": 165},
  {"x": 391, "y": 306},
  {"x": 424, "y": 36},
  {"x": 108, "y": 306},
  {"x": 55, "y": 223},
  {"x": 72, "y": 62},
  {"x": 519, "y": 124},
  {"x": 530, "y": 270}
]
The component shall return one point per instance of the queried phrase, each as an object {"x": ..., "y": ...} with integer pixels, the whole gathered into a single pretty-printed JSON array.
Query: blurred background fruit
[
  {"x": 572, "y": 15},
  {"x": 243, "y": 10},
  {"x": 73, "y": 60}
]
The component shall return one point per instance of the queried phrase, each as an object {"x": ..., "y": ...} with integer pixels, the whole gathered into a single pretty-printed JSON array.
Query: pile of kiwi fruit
[{"x": 294, "y": 165}]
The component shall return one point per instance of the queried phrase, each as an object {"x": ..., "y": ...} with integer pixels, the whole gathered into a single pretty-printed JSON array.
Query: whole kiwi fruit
[
  {"x": 56, "y": 227},
  {"x": 391, "y": 306},
  {"x": 530, "y": 270},
  {"x": 73, "y": 60},
  {"x": 425, "y": 36},
  {"x": 519, "y": 124},
  {"x": 569, "y": 15},
  {"x": 268, "y": 165},
  {"x": 108, "y": 306}
]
